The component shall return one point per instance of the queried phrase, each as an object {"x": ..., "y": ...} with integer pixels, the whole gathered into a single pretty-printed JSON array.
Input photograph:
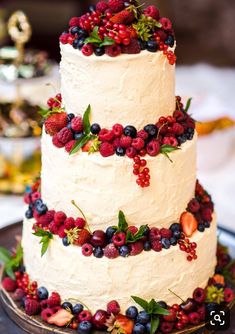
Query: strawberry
[
  {"x": 87, "y": 146},
  {"x": 55, "y": 123},
  {"x": 188, "y": 223},
  {"x": 123, "y": 17},
  {"x": 60, "y": 318},
  {"x": 83, "y": 236},
  {"x": 133, "y": 32},
  {"x": 125, "y": 324}
]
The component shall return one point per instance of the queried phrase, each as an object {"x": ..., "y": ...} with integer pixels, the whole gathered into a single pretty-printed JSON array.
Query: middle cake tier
[{"x": 101, "y": 187}]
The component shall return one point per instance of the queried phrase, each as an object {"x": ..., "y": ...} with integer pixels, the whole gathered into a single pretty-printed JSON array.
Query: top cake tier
[{"x": 119, "y": 58}]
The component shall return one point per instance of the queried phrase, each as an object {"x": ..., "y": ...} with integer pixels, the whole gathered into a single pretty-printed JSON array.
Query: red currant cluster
[
  {"x": 55, "y": 102},
  {"x": 189, "y": 247},
  {"x": 140, "y": 169},
  {"x": 118, "y": 32},
  {"x": 90, "y": 20},
  {"x": 30, "y": 288},
  {"x": 165, "y": 48}
]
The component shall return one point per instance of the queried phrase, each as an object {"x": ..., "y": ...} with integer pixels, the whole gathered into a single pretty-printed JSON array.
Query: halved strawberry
[
  {"x": 124, "y": 323},
  {"x": 87, "y": 146},
  {"x": 188, "y": 223},
  {"x": 55, "y": 123},
  {"x": 83, "y": 236},
  {"x": 60, "y": 318},
  {"x": 123, "y": 17}
]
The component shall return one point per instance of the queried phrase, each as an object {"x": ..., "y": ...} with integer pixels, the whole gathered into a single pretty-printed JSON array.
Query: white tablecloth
[{"x": 212, "y": 90}]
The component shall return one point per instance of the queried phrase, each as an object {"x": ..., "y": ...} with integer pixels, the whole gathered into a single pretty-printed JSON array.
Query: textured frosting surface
[
  {"x": 97, "y": 281},
  {"x": 103, "y": 186},
  {"x": 129, "y": 89}
]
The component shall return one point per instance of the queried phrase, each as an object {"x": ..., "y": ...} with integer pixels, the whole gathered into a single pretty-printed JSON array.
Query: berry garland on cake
[
  {"x": 75, "y": 133},
  {"x": 152, "y": 317},
  {"x": 121, "y": 240},
  {"x": 116, "y": 26}
]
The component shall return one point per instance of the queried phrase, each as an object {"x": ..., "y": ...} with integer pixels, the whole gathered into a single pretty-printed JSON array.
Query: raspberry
[
  {"x": 202, "y": 312},
  {"x": 9, "y": 284},
  {"x": 59, "y": 217},
  {"x": 87, "y": 50},
  {"x": 56, "y": 142},
  {"x": 142, "y": 134},
  {"x": 65, "y": 135},
  {"x": 166, "y": 23},
  {"x": 162, "y": 34},
  {"x": 113, "y": 307},
  {"x": 106, "y": 149},
  {"x": 172, "y": 141},
  {"x": 132, "y": 48},
  {"x": 53, "y": 228},
  {"x": 80, "y": 223},
  {"x": 106, "y": 135},
  {"x": 166, "y": 327},
  {"x": 138, "y": 143},
  {"x": 119, "y": 239},
  {"x": 87, "y": 249},
  {"x": 113, "y": 50},
  {"x": 47, "y": 218},
  {"x": 131, "y": 152},
  {"x": 77, "y": 124},
  {"x": 61, "y": 232},
  {"x": 69, "y": 145},
  {"x": 18, "y": 295},
  {"x": 125, "y": 141},
  {"x": 116, "y": 5},
  {"x": 64, "y": 40},
  {"x": 32, "y": 307},
  {"x": 153, "y": 148},
  {"x": 111, "y": 252},
  {"x": 199, "y": 295},
  {"x": 83, "y": 237},
  {"x": 116, "y": 143},
  {"x": 84, "y": 316},
  {"x": 117, "y": 130},
  {"x": 190, "y": 123},
  {"x": 154, "y": 234},
  {"x": 132, "y": 229},
  {"x": 177, "y": 129},
  {"x": 156, "y": 246},
  {"x": 193, "y": 206},
  {"x": 54, "y": 300},
  {"x": 179, "y": 115},
  {"x": 152, "y": 11},
  {"x": 55, "y": 123},
  {"x": 69, "y": 223},
  {"x": 165, "y": 233},
  {"x": 43, "y": 304},
  {"x": 228, "y": 295},
  {"x": 207, "y": 214},
  {"x": 46, "y": 314},
  {"x": 101, "y": 6},
  {"x": 136, "y": 248},
  {"x": 74, "y": 21},
  {"x": 35, "y": 196}
]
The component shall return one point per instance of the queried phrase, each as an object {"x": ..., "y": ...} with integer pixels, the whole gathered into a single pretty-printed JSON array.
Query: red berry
[
  {"x": 99, "y": 319},
  {"x": 69, "y": 223},
  {"x": 171, "y": 317},
  {"x": 69, "y": 146},
  {"x": 166, "y": 327},
  {"x": 32, "y": 307},
  {"x": 101, "y": 6},
  {"x": 87, "y": 50},
  {"x": 177, "y": 129},
  {"x": 153, "y": 148},
  {"x": 194, "y": 318},
  {"x": 77, "y": 124},
  {"x": 193, "y": 206},
  {"x": 106, "y": 135},
  {"x": 165, "y": 233},
  {"x": 61, "y": 232},
  {"x": 202, "y": 312},
  {"x": 117, "y": 130},
  {"x": 199, "y": 295},
  {"x": 65, "y": 135},
  {"x": 136, "y": 248},
  {"x": 132, "y": 229},
  {"x": 80, "y": 223},
  {"x": 111, "y": 252},
  {"x": 59, "y": 217},
  {"x": 131, "y": 152},
  {"x": 113, "y": 307},
  {"x": 87, "y": 249},
  {"x": 131, "y": 46},
  {"x": 119, "y": 239},
  {"x": 156, "y": 245},
  {"x": 64, "y": 40},
  {"x": 116, "y": 5},
  {"x": 56, "y": 142},
  {"x": 179, "y": 325},
  {"x": 98, "y": 238},
  {"x": 138, "y": 143},
  {"x": 142, "y": 134},
  {"x": 152, "y": 11},
  {"x": 228, "y": 295},
  {"x": 154, "y": 234},
  {"x": 166, "y": 23},
  {"x": 106, "y": 149},
  {"x": 18, "y": 294},
  {"x": 74, "y": 21},
  {"x": 207, "y": 214},
  {"x": 9, "y": 284},
  {"x": 172, "y": 141},
  {"x": 113, "y": 50},
  {"x": 54, "y": 300},
  {"x": 46, "y": 314},
  {"x": 85, "y": 315},
  {"x": 125, "y": 141},
  {"x": 55, "y": 123}
]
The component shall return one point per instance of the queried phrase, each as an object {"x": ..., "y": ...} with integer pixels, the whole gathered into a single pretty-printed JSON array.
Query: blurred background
[{"x": 206, "y": 72}]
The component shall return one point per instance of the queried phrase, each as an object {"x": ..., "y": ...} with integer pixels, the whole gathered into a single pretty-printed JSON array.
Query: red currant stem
[
  {"x": 80, "y": 302},
  {"x": 176, "y": 295},
  {"x": 80, "y": 210},
  {"x": 160, "y": 129}
]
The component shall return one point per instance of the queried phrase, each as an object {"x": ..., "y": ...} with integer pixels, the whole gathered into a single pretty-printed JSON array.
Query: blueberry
[
  {"x": 152, "y": 46},
  {"x": 211, "y": 307},
  {"x": 70, "y": 117},
  {"x": 38, "y": 202},
  {"x": 31, "y": 206},
  {"x": 148, "y": 327},
  {"x": 110, "y": 232},
  {"x": 170, "y": 40},
  {"x": 82, "y": 34},
  {"x": 67, "y": 306},
  {"x": 177, "y": 235},
  {"x": 21, "y": 269},
  {"x": 182, "y": 139},
  {"x": 120, "y": 151},
  {"x": 201, "y": 227},
  {"x": 190, "y": 136},
  {"x": 147, "y": 246},
  {"x": 142, "y": 44},
  {"x": 69, "y": 126},
  {"x": 143, "y": 317},
  {"x": 29, "y": 213},
  {"x": 151, "y": 129},
  {"x": 85, "y": 327},
  {"x": 146, "y": 231},
  {"x": 65, "y": 241},
  {"x": 162, "y": 304},
  {"x": 95, "y": 129},
  {"x": 99, "y": 51},
  {"x": 139, "y": 329},
  {"x": 98, "y": 252},
  {"x": 92, "y": 8},
  {"x": 78, "y": 308},
  {"x": 175, "y": 227},
  {"x": 124, "y": 251},
  {"x": 42, "y": 209},
  {"x": 42, "y": 293},
  {"x": 130, "y": 130},
  {"x": 190, "y": 130},
  {"x": 78, "y": 136},
  {"x": 219, "y": 286},
  {"x": 132, "y": 312},
  {"x": 173, "y": 241},
  {"x": 76, "y": 43},
  {"x": 166, "y": 243},
  {"x": 74, "y": 30},
  {"x": 207, "y": 224},
  {"x": 80, "y": 43}
]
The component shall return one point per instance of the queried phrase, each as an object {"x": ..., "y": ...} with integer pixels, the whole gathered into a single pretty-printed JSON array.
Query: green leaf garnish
[
  {"x": 130, "y": 238},
  {"x": 5, "y": 255},
  {"x": 145, "y": 27},
  {"x": 165, "y": 149},
  {"x": 11, "y": 262},
  {"x": 86, "y": 120},
  {"x": 154, "y": 324},
  {"x": 188, "y": 105},
  {"x": 45, "y": 236},
  {"x": 79, "y": 144},
  {"x": 94, "y": 38},
  {"x": 141, "y": 302},
  {"x": 122, "y": 223}
]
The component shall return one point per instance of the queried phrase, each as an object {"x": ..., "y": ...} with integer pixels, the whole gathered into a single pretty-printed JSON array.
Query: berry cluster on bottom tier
[
  {"x": 37, "y": 301},
  {"x": 121, "y": 240}
]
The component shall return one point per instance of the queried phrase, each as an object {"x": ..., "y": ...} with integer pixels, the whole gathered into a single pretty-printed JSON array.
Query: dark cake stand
[{"x": 13, "y": 320}]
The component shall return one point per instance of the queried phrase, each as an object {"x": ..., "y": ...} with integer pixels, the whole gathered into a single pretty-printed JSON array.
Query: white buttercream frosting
[
  {"x": 98, "y": 281},
  {"x": 103, "y": 186},
  {"x": 128, "y": 89}
]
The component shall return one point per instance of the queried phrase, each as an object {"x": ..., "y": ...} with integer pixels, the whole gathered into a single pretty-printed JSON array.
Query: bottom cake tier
[{"x": 95, "y": 282}]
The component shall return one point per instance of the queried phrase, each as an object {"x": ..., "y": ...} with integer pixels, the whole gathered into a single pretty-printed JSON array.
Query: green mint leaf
[
  {"x": 188, "y": 105},
  {"x": 5, "y": 255},
  {"x": 122, "y": 223},
  {"x": 46, "y": 237},
  {"x": 154, "y": 325},
  {"x": 151, "y": 306},
  {"x": 45, "y": 245},
  {"x": 141, "y": 302},
  {"x": 94, "y": 37},
  {"x": 168, "y": 148},
  {"x": 86, "y": 120},
  {"x": 107, "y": 41},
  {"x": 44, "y": 113},
  {"x": 80, "y": 143},
  {"x": 159, "y": 310},
  {"x": 9, "y": 271},
  {"x": 130, "y": 238},
  {"x": 92, "y": 40}
]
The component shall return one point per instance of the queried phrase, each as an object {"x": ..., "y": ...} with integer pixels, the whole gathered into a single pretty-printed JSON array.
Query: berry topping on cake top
[{"x": 113, "y": 27}]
